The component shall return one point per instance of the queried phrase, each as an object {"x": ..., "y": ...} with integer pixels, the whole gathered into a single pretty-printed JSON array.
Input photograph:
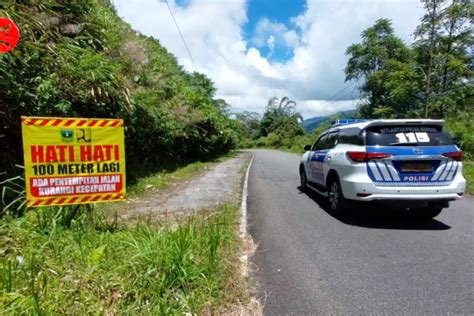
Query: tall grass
[
  {"x": 468, "y": 171},
  {"x": 13, "y": 194},
  {"x": 47, "y": 268}
]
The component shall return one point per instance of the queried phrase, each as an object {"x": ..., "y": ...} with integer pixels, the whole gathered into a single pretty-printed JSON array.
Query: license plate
[{"x": 416, "y": 167}]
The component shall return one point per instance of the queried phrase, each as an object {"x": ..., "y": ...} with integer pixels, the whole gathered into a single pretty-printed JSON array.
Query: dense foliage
[
  {"x": 78, "y": 59},
  {"x": 281, "y": 126}
]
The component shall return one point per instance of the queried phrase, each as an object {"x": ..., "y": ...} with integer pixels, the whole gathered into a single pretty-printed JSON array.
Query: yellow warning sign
[{"x": 73, "y": 160}]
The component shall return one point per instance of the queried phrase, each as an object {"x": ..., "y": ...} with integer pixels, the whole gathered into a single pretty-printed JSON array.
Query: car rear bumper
[
  {"x": 368, "y": 191},
  {"x": 414, "y": 197}
]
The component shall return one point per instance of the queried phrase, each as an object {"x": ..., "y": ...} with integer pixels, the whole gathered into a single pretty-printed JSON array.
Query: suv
[{"x": 411, "y": 161}]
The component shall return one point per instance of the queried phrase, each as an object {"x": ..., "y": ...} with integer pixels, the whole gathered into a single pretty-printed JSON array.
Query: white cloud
[
  {"x": 318, "y": 39},
  {"x": 273, "y": 34},
  {"x": 322, "y": 107},
  {"x": 271, "y": 43},
  {"x": 291, "y": 38}
]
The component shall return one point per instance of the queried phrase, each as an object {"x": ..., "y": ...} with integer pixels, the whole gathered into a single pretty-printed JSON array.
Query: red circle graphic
[{"x": 9, "y": 35}]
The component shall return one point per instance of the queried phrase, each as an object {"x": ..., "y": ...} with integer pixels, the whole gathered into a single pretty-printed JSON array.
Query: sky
[{"x": 256, "y": 49}]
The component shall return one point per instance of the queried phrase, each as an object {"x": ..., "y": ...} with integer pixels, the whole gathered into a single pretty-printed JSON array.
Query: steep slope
[{"x": 78, "y": 59}]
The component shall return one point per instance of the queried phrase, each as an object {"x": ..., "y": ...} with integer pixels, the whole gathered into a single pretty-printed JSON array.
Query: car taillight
[
  {"x": 359, "y": 156},
  {"x": 378, "y": 155},
  {"x": 455, "y": 155}
]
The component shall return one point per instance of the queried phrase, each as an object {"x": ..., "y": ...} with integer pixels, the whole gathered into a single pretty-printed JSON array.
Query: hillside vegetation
[{"x": 78, "y": 59}]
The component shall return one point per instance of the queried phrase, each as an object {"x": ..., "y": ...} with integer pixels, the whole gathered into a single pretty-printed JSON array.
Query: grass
[
  {"x": 100, "y": 268},
  {"x": 94, "y": 265},
  {"x": 468, "y": 171}
]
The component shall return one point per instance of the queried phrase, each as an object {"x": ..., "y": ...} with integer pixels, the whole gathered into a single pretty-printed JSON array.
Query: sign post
[{"x": 73, "y": 160}]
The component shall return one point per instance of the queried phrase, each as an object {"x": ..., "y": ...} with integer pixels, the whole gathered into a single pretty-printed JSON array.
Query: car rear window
[{"x": 417, "y": 135}]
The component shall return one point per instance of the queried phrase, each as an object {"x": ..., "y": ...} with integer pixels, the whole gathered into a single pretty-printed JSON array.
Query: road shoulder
[{"x": 217, "y": 184}]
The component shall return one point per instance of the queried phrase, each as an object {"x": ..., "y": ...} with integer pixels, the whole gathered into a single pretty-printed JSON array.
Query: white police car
[{"x": 410, "y": 161}]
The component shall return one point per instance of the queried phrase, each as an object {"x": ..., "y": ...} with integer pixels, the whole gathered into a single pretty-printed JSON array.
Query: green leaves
[
  {"x": 379, "y": 44},
  {"x": 281, "y": 118},
  {"x": 97, "y": 254},
  {"x": 431, "y": 78}
]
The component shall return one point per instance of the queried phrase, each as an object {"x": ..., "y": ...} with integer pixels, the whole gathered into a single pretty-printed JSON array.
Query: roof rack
[{"x": 348, "y": 121}]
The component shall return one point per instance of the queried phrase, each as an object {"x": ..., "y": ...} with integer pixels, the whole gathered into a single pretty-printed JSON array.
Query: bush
[{"x": 461, "y": 128}]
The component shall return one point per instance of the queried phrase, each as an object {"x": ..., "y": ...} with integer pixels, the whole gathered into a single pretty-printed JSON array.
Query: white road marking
[
  {"x": 243, "y": 221},
  {"x": 243, "y": 205}
]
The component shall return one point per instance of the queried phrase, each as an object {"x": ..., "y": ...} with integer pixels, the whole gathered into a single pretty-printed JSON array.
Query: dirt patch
[{"x": 216, "y": 185}]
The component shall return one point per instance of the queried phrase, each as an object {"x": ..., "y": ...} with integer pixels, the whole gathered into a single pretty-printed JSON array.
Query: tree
[
  {"x": 379, "y": 44},
  {"x": 429, "y": 31},
  {"x": 222, "y": 105},
  {"x": 444, "y": 38},
  {"x": 379, "y": 57},
  {"x": 251, "y": 123},
  {"x": 201, "y": 83},
  {"x": 281, "y": 117},
  {"x": 430, "y": 79},
  {"x": 458, "y": 38},
  {"x": 397, "y": 87}
]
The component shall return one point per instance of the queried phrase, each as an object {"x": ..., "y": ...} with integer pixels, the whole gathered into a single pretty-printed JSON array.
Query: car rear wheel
[
  {"x": 303, "y": 180},
  {"x": 335, "y": 196}
]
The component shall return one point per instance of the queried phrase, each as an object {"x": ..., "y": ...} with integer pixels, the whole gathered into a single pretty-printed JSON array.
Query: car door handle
[{"x": 329, "y": 157}]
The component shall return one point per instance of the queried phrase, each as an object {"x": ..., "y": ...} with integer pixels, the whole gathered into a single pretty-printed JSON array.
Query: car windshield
[{"x": 418, "y": 135}]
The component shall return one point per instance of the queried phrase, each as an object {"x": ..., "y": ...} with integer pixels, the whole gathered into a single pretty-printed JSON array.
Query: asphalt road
[{"x": 371, "y": 262}]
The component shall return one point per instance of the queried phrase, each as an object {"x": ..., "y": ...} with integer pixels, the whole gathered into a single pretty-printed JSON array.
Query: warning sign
[
  {"x": 9, "y": 35},
  {"x": 73, "y": 160}
]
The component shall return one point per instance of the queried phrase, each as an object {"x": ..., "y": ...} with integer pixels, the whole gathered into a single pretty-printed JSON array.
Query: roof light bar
[{"x": 348, "y": 121}]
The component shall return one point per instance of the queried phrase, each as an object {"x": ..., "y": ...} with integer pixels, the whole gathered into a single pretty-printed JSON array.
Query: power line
[
  {"x": 338, "y": 92},
  {"x": 182, "y": 37}
]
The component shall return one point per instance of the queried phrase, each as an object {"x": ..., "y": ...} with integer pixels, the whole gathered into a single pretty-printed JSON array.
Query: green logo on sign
[{"x": 67, "y": 135}]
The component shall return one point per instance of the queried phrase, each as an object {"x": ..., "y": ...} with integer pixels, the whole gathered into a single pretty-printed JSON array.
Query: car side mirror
[{"x": 307, "y": 148}]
